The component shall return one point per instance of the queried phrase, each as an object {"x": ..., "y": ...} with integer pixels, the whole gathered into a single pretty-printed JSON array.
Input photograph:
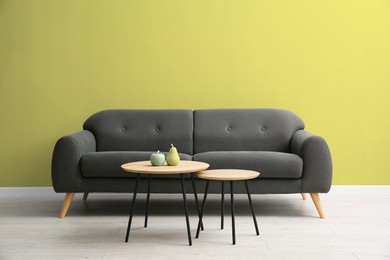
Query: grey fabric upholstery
[
  {"x": 108, "y": 164},
  {"x": 273, "y": 141},
  {"x": 269, "y": 164},
  {"x": 142, "y": 130},
  {"x": 317, "y": 161},
  {"x": 244, "y": 130},
  {"x": 65, "y": 169}
]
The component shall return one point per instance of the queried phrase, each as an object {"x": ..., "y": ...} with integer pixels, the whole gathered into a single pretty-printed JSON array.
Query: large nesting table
[{"x": 145, "y": 167}]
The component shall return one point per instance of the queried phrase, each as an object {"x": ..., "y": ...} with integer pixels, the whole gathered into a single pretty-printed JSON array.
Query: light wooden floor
[{"x": 357, "y": 227}]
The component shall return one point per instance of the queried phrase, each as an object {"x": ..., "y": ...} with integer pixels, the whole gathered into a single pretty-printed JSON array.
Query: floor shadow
[{"x": 159, "y": 205}]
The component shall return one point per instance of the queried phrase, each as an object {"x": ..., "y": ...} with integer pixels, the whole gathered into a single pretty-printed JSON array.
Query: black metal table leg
[
  {"x": 202, "y": 211},
  {"x": 131, "y": 209},
  {"x": 222, "y": 203},
  {"x": 196, "y": 198},
  {"x": 186, "y": 210},
  {"x": 253, "y": 212},
  {"x": 232, "y": 209},
  {"x": 147, "y": 201}
]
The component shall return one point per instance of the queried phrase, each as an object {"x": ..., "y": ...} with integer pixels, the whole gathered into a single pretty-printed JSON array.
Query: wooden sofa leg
[
  {"x": 317, "y": 202},
  {"x": 304, "y": 196},
  {"x": 85, "y": 196},
  {"x": 68, "y": 199}
]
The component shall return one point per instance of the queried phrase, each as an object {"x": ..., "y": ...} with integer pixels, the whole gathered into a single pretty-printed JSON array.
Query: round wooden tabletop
[
  {"x": 146, "y": 167},
  {"x": 227, "y": 175}
]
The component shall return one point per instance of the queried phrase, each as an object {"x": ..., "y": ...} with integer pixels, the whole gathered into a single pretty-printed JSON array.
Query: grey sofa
[{"x": 271, "y": 141}]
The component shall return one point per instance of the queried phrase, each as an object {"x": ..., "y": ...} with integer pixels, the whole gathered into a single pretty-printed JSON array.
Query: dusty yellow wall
[{"x": 328, "y": 61}]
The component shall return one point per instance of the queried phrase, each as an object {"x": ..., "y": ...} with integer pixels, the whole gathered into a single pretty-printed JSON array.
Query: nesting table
[
  {"x": 230, "y": 175},
  {"x": 145, "y": 167}
]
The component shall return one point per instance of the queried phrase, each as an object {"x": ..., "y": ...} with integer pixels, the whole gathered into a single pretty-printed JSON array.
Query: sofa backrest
[
  {"x": 244, "y": 130},
  {"x": 142, "y": 130}
]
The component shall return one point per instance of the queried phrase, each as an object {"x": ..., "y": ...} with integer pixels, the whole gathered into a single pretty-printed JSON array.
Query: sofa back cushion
[
  {"x": 244, "y": 130},
  {"x": 142, "y": 130}
]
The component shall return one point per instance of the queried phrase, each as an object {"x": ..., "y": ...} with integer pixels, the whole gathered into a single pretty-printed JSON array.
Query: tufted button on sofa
[{"x": 271, "y": 141}]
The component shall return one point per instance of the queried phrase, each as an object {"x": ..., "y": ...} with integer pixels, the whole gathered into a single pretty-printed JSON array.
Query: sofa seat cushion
[
  {"x": 108, "y": 164},
  {"x": 269, "y": 164}
]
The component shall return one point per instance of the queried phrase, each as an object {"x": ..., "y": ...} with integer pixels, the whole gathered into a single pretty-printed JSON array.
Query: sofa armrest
[
  {"x": 65, "y": 167},
  {"x": 317, "y": 161}
]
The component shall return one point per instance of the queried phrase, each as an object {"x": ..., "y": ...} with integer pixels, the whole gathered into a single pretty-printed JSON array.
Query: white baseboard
[
  {"x": 336, "y": 189},
  {"x": 360, "y": 189},
  {"x": 27, "y": 191}
]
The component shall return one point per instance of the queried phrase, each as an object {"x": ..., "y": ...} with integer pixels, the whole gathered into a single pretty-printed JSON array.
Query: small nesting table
[{"x": 230, "y": 175}]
